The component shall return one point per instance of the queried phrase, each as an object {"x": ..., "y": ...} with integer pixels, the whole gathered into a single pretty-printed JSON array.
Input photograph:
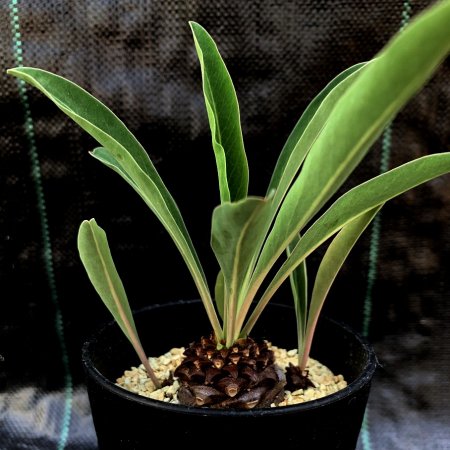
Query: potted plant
[{"x": 231, "y": 377}]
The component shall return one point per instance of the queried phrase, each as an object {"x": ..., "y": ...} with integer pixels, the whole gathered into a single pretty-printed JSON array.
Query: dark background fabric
[{"x": 138, "y": 57}]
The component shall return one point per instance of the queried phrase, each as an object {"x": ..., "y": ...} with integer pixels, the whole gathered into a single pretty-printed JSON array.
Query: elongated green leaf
[
  {"x": 299, "y": 286},
  {"x": 219, "y": 296},
  {"x": 293, "y": 141},
  {"x": 223, "y": 115},
  {"x": 98, "y": 262},
  {"x": 331, "y": 264},
  {"x": 235, "y": 227},
  {"x": 144, "y": 186},
  {"x": 103, "y": 125},
  {"x": 348, "y": 207},
  {"x": 300, "y": 142},
  {"x": 125, "y": 155},
  {"x": 295, "y": 150},
  {"x": 90, "y": 114},
  {"x": 357, "y": 120},
  {"x": 105, "y": 157}
]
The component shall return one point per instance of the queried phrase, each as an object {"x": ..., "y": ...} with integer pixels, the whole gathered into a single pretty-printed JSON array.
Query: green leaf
[
  {"x": 105, "y": 157},
  {"x": 331, "y": 264},
  {"x": 295, "y": 148},
  {"x": 144, "y": 186},
  {"x": 223, "y": 115},
  {"x": 104, "y": 126},
  {"x": 295, "y": 151},
  {"x": 299, "y": 286},
  {"x": 289, "y": 162},
  {"x": 235, "y": 227},
  {"x": 92, "y": 115},
  {"x": 97, "y": 260},
  {"x": 96, "y": 257},
  {"x": 219, "y": 295},
  {"x": 124, "y": 154},
  {"x": 348, "y": 207},
  {"x": 383, "y": 87}
]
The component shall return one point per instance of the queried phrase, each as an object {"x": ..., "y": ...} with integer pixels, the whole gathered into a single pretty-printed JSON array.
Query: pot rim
[{"x": 360, "y": 382}]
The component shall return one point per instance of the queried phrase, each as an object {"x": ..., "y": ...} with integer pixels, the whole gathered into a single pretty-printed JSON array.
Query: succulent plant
[{"x": 261, "y": 241}]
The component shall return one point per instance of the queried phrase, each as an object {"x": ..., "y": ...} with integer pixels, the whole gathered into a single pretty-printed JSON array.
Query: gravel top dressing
[{"x": 137, "y": 381}]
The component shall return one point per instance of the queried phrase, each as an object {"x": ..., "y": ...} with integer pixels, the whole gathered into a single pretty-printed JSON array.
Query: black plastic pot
[{"x": 124, "y": 420}]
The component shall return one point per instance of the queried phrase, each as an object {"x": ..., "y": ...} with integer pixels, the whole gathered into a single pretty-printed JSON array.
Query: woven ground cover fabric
[{"x": 138, "y": 57}]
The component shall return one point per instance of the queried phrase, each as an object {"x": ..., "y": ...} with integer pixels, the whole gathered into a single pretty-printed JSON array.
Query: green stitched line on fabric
[
  {"x": 45, "y": 234},
  {"x": 406, "y": 14},
  {"x": 386, "y": 146},
  {"x": 365, "y": 434}
]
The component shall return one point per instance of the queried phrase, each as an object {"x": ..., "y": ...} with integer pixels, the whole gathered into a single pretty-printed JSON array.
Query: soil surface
[{"x": 136, "y": 380}]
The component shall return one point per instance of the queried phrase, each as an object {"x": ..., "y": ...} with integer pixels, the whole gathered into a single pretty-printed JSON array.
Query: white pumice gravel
[{"x": 136, "y": 380}]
